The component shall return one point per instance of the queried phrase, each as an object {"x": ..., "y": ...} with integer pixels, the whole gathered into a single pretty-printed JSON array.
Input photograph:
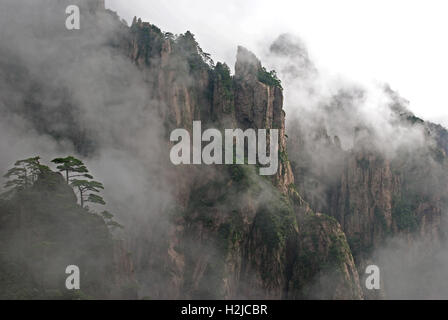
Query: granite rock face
[{"x": 235, "y": 235}]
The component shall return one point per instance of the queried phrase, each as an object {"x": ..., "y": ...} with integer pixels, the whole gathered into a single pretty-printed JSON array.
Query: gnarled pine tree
[
  {"x": 23, "y": 175},
  {"x": 74, "y": 168}
]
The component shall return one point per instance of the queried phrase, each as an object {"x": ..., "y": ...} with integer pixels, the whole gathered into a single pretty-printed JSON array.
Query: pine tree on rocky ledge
[
  {"x": 74, "y": 168},
  {"x": 23, "y": 175}
]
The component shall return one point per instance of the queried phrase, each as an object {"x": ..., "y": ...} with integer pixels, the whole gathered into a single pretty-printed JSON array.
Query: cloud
[
  {"x": 370, "y": 41},
  {"x": 65, "y": 93}
]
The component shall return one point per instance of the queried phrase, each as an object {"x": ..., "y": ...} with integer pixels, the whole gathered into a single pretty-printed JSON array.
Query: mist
[
  {"x": 344, "y": 38},
  {"x": 103, "y": 96},
  {"x": 332, "y": 118},
  {"x": 71, "y": 94}
]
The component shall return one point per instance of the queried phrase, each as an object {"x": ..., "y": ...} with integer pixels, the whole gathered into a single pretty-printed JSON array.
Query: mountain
[
  {"x": 43, "y": 231},
  {"x": 112, "y": 93}
]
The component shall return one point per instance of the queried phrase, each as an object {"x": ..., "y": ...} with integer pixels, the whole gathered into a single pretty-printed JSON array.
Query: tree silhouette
[
  {"x": 109, "y": 219},
  {"x": 23, "y": 175},
  {"x": 72, "y": 167},
  {"x": 87, "y": 190},
  {"x": 75, "y": 168}
]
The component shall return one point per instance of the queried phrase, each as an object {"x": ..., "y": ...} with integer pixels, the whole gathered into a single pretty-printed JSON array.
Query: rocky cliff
[
  {"x": 226, "y": 232},
  {"x": 376, "y": 194},
  {"x": 234, "y": 234}
]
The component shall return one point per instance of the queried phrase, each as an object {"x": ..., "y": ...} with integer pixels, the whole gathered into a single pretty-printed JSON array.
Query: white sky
[{"x": 403, "y": 43}]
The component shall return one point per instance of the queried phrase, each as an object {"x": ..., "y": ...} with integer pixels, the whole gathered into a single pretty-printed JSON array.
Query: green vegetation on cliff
[
  {"x": 403, "y": 213},
  {"x": 324, "y": 262},
  {"x": 222, "y": 73},
  {"x": 269, "y": 77}
]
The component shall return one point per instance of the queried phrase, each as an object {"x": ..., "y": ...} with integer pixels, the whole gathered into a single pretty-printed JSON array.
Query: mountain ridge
[{"x": 224, "y": 232}]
